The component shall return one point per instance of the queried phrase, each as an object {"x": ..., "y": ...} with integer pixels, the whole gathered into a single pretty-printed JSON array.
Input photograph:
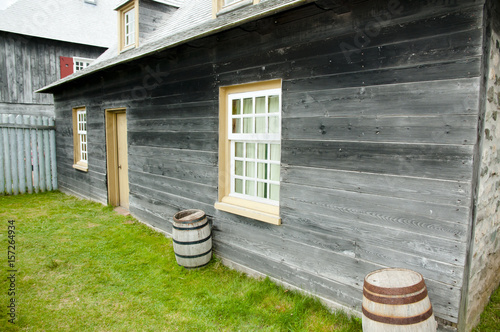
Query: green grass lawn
[
  {"x": 81, "y": 267},
  {"x": 490, "y": 318}
]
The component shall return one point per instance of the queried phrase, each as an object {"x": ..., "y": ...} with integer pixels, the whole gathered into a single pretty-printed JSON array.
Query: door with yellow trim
[{"x": 122, "y": 158}]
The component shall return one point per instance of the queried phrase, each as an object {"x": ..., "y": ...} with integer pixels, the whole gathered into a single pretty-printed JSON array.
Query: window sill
[
  {"x": 81, "y": 167},
  {"x": 257, "y": 211},
  {"x": 127, "y": 48}
]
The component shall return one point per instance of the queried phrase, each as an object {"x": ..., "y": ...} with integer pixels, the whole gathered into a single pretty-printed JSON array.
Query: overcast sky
[{"x": 6, "y": 3}]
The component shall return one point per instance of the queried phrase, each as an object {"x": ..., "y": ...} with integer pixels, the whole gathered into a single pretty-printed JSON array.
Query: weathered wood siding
[
  {"x": 152, "y": 15},
  {"x": 30, "y": 63},
  {"x": 380, "y": 112}
]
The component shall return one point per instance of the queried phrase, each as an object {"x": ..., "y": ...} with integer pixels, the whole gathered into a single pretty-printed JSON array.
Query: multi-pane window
[
  {"x": 82, "y": 134},
  {"x": 255, "y": 136},
  {"x": 80, "y": 63},
  {"x": 80, "y": 148},
  {"x": 129, "y": 25}
]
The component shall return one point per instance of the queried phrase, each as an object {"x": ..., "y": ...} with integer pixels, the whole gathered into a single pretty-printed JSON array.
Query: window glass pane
[
  {"x": 250, "y": 187},
  {"x": 260, "y": 125},
  {"x": 238, "y": 167},
  {"x": 274, "y": 125},
  {"x": 236, "y": 106},
  {"x": 247, "y": 106},
  {"x": 262, "y": 171},
  {"x": 260, "y": 105},
  {"x": 251, "y": 150},
  {"x": 274, "y": 192},
  {"x": 274, "y": 104},
  {"x": 275, "y": 172},
  {"x": 275, "y": 152},
  {"x": 238, "y": 186},
  {"x": 262, "y": 151},
  {"x": 250, "y": 169},
  {"x": 236, "y": 126},
  {"x": 262, "y": 189},
  {"x": 238, "y": 146},
  {"x": 248, "y": 125}
]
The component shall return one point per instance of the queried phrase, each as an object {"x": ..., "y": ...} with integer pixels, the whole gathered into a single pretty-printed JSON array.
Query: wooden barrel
[
  {"x": 192, "y": 238},
  {"x": 396, "y": 300}
]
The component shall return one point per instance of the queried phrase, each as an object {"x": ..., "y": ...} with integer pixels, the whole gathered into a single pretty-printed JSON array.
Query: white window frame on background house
[
  {"x": 80, "y": 146},
  {"x": 81, "y": 63},
  {"x": 250, "y": 150}
]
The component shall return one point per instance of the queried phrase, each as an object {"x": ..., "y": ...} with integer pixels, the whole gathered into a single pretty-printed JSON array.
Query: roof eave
[{"x": 203, "y": 30}]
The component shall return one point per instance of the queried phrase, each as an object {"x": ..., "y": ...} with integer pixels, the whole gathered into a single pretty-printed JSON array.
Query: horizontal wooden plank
[
  {"x": 204, "y": 141},
  {"x": 466, "y": 68},
  {"x": 447, "y": 162},
  {"x": 174, "y": 155},
  {"x": 454, "y": 193},
  {"x": 192, "y": 173},
  {"x": 178, "y": 125},
  {"x": 430, "y": 129},
  {"x": 430, "y": 247},
  {"x": 172, "y": 200},
  {"x": 438, "y": 98},
  {"x": 194, "y": 191},
  {"x": 426, "y": 218},
  {"x": 160, "y": 108}
]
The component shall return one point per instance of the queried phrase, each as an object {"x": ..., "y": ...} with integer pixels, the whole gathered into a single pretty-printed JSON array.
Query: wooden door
[
  {"x": 122, "y": 158},
  {"x": 117, "y": 159}
]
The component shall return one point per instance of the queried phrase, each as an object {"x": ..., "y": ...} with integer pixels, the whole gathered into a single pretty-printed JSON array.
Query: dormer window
[
  {"x": 128, "y": 24},
  {"x": 224, "y": 6}
]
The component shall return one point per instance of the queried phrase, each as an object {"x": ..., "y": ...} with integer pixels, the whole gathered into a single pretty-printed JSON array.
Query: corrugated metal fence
[{"x": 27, "y": 154}]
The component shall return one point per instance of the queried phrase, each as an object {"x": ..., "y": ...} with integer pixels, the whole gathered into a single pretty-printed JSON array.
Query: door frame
[{"x": 112, "y": 155}]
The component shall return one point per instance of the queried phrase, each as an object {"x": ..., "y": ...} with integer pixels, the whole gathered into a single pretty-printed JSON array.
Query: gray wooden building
[
  {"x": 40, "y": 40},
  {"x": 325, "y": 139}
]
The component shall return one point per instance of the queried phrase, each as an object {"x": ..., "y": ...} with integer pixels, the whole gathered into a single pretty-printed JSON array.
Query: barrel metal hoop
[
  {"x": 398, "y": 320},
  {"x": 395, "y": 300},
  {"x": 195, "y": 267},
  {"x": 395, "y": 291},
  {"x": 193, "y": 256},
  {"x": 189, "y": 228},
  {"x": 193, "y": 242}
]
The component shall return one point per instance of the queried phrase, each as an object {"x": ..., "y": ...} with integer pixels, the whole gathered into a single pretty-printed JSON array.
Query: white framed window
[
  {"x": 255, "y": 138},
  {"x": 82, "y": 134},
  {"x": 250, "y": 150},
  {"x": 81, "y": 63},
  {"x": 129, "y": 25},
  {"x": 80, "y": 147}
]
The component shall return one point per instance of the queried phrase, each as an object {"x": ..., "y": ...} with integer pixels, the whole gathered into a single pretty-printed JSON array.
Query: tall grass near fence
[{"x": 27, "y": 154}]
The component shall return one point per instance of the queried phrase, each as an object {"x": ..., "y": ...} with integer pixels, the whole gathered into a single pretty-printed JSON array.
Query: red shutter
[{"x": 66, "y": 66}]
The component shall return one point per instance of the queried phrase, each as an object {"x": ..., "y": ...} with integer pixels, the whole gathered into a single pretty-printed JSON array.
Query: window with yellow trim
[
  {"x": 80, "y": 150},
  {"x": 250, "y": 150},
  {"x": 223, "y": 6},
  {"x": 128, "y": 25}
]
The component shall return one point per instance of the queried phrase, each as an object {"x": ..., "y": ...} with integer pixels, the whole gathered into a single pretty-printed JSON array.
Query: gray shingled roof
[
  {"x": 191, "y": 21},
  {"x": 71, "y": 20}
]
